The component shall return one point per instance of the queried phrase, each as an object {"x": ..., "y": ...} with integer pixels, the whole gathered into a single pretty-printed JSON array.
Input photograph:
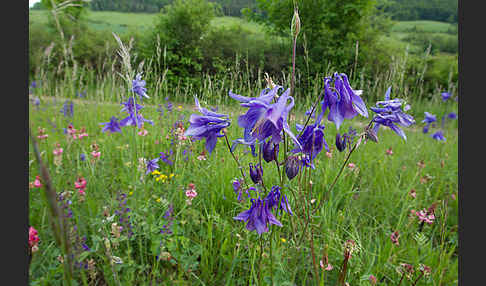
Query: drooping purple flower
[
  {"x": 33, "y": 84},
  {"x": 346, "y": 140},
  {"x": 152, "y": 165},
  {"x": 439, "y": 136},
  {"x": 274, "y": 198},
  {"x": 452, "y": 115},
  {"x": 270, "y": 151},
  {"x": 81, "y": 94},
  {"x": 68, "y": 108},
  {"x": 113, "y": 125},
  {"x": 389, "y": 113},
  {"x": 82, "y": 157},
  {"x": 429, "y": 118},
  {"x": 343, "y": 101},
  {"x": 446, "y": 96},
  {"x": 258, "y": 216},
  {"x": 264, "y": 119},
  {"x": 208, "y": 126},
  {"x": 138, "y": 86},
  {"x": 340, "y": 142},
  {"x": 312, "y": 139},
  {"x": 308, "y": 113},
  {"x": 256, "y": 173}
]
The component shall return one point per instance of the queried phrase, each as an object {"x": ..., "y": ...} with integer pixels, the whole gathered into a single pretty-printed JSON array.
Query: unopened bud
[
  {"x": 295, "y": 23},
  {"x": 292, "y": 167}
]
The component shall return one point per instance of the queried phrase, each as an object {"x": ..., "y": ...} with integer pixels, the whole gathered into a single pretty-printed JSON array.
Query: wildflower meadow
[{"x": 263, "y": 187}]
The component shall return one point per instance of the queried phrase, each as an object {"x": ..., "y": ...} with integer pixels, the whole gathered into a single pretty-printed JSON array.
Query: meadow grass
[{"x": 207, "y": 246}]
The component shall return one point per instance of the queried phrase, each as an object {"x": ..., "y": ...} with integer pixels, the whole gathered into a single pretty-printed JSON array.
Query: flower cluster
[
  {"x": 191, "y": 193},
  {"x": 80, "y": 185},
  {"x": 68, "y": 109},
  {"x": 75, "y": 134},
  {"x": 122, "y": 214},
  {"x": 134, "y": 118},
  {"x": 162, "y": 177},
  {"x": 33, "y": 240},
  {"x": 42, "y": 133}
]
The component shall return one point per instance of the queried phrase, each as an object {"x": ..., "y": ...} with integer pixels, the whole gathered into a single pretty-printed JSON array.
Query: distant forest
[{"x": 401, "y": 10}]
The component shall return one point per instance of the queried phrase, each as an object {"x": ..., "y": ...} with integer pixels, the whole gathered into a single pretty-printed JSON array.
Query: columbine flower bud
[
  {"x": 340, "y": 142},
  {"x": 256, "y": 173},
  {"x": 292, "y": 167},
  {"x": 269, "y": 151}
]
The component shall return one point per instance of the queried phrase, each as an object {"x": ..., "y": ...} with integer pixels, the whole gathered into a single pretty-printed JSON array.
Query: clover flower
[
  {"x": 258, "y": 216},
  {"x": 343, "y": 101},
  {"x": 389, "y": 113},
  {"x": 33, "y": 239},
  {"x": 113, "y": 125},
  {"x": 394, "y": 237},
  {"x": 208, "y": 126}
]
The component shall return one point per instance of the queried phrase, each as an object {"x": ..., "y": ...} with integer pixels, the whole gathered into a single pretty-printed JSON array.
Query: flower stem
[{"x": 236, "y": 160}]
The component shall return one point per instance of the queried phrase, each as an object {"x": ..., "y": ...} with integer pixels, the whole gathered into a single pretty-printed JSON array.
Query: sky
[{"x": 32, "y": 2}]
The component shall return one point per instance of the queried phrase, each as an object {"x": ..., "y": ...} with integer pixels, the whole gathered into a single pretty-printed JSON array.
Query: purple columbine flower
[
  {"x": 389, "y": 113},
  {"x": 82, "y": 157},
  {"x": 343, "y": 101},
  {"x": 264, "y": 119},
  {"x": 207, "y": 126},
  {"x": 312, "y": 139},
  {"x": 67, "y": 108},
  {"x": 138, "y": 86},
  {"x": 452, "y": 115},
  {"x": 258, "y": 216},
  {"x": 292, "y": 166},
  {"x": 446, "y": 96},
  {"x": 33, "y": 84},
  {"x": 134, "y": 118},
  {"x": 113, "y": 125},
  {"x": 308, "y": 113},
  {"x": 152, "y": 165},
  {"x": 256, "y": 173},
  {"x": 429, "y": 118},
  {"x": 273, "y": 199},
  {"x": 439, "y": 136}
]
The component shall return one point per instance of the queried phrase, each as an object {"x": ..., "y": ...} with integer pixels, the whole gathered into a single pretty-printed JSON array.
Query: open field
[{"x": 205, "y": 245}]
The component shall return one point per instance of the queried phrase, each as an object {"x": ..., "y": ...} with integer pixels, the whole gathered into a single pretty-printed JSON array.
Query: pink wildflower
[
  {"x": 413, "y": 193},
  {"x": 58, "y": 151},
  {"x": 143, "y": 132},
  {"x": 426, "y": 216},
  {"x": 33, "y": 239},
  {"x": 389, "y": 151},
  {"x": 394, "y": 237},
  {"x": 96, "y": 154},
  {"x": 372, "y": 279},
  {"x": 329, "y": 154},
  {"x": 351, "y": 166},
  {"x": 80, "y": 184},
  {"x": 37, "y": 182}
]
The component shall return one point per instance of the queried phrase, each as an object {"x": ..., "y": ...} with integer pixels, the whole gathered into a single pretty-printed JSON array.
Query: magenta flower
[
  {"x": 425, "y": 216},
  {"x": 394, "y": 237}
]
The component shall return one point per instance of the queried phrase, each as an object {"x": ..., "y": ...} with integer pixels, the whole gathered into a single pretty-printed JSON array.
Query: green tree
[{"x": 331, "y": 28}]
